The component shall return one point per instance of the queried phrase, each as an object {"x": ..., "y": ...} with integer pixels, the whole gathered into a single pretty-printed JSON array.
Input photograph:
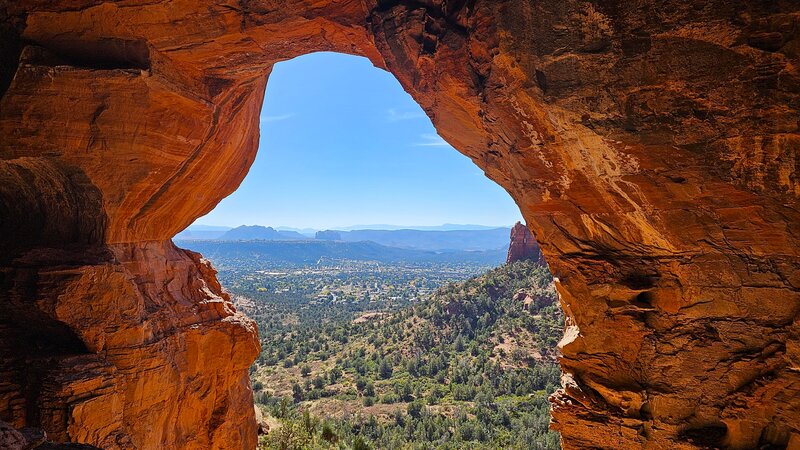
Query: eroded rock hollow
[{"x": 651, "y": 146}]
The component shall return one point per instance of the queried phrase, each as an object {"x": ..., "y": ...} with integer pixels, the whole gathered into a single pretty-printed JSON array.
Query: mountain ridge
[
  {"x": 428, "y": 240},
  {"x": 260, "y": 232},
  {"x": 310, "y": 252}
]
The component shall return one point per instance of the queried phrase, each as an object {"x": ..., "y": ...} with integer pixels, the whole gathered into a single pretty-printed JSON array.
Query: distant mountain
[
  {"x": 455, "y": 227},
  {"x": 304, "y": 231},
  {"x": 441, "y": 238},
  {"x": 201, "y": 227},
  {"x": 492, "y": 238},
  {"x": 193, "y": 232},
  {"x": 257, "y": 232},
  {"x": 302, "y": 253},
  {"x": 444, "y": 227},
  {"x": 328, "y": 235}
]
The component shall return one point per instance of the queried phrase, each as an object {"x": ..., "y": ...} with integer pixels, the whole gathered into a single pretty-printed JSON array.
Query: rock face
[
  {"x": 32, "y": 439},
  {"x": 130, "y": 346},
  {"x": 652, "y": 148},
  {"x": 522, "y": 245}
]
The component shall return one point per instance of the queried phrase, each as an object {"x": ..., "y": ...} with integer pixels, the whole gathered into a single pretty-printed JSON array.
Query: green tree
[
  {"x": 328, "y": 434},
  {"x": 297, "y": 393},
  {"x": 385, "y": 369},
  {"x": 414, "y": 409}
]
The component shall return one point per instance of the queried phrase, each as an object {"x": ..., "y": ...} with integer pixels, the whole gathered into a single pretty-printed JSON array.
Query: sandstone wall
[{"x": 652, "y": 148}]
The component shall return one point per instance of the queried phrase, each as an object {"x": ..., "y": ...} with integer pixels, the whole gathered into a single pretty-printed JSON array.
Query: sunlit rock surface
[
  {"x": 522, "y": 245},
  {"x": 651, "y": 146}
]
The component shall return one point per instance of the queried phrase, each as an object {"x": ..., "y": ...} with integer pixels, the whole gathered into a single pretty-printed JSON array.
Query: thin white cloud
[
  {"x": 278, "y": 118},
  {"x": 396, "y": 116},
  {"x": 431, "y": 140}
]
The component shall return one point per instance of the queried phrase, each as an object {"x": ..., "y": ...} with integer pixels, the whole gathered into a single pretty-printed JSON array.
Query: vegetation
[{"x": 470, "y": 366}]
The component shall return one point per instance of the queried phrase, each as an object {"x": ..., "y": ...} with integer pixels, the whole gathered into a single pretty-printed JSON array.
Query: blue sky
[{"x": 343, "y": 144}]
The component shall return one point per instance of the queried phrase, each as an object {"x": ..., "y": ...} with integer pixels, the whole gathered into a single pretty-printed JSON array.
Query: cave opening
[
  {"x": 355, "y": 222},
  {"x": 342, "y": 144},
  {"x": 653, "y": 151}
]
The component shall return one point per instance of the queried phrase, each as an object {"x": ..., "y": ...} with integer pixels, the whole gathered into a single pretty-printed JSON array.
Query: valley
[{"x": 370, "y": 346}]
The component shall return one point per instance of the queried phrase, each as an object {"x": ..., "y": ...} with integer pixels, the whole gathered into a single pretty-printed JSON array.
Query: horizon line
[{"x": 309, "y": 227}]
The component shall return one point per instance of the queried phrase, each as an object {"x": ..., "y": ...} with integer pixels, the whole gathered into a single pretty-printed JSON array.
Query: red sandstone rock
[
  {"x": 651, "y": 146},
  {"x": 32, "y": 439},
  {"x": 144, "y": 336},
  {"x": 522, "y": 245}
]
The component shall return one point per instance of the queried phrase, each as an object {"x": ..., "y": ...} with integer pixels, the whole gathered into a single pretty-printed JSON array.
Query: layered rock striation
[
  {"x": 129, "y": 346},
  {"x": 652, "y": 148}
]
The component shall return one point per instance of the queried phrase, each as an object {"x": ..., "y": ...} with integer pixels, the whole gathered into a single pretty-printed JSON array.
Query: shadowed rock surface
[
  {"x": 652, "y": 148},
  {"x": 33, "y": 439}
]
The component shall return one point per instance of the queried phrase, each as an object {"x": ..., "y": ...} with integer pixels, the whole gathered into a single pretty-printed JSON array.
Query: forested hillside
[{"x": 469, "y": 367}]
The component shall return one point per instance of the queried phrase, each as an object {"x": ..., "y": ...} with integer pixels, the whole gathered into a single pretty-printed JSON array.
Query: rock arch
[{"x": 651, "y": 146}]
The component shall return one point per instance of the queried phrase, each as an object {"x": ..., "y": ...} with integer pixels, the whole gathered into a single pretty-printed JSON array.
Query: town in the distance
[{"x": 390, "y": 337}]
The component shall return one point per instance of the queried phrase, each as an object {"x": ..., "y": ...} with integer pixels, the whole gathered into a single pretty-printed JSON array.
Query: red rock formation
[
  {"x": 32, "y": 439},
  {"x": 651, "y": 146},
  {"x": 522, "y": 245},
  {"x": 136, "y": 335}
]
